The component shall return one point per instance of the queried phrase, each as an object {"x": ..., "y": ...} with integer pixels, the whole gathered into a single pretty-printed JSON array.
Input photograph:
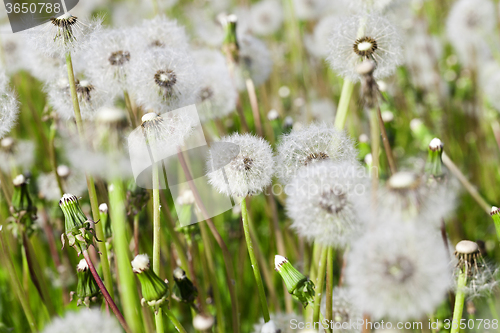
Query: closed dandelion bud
[
  {"x": 22, "y": 207},
  {"x": 87, "y": 289},
  {"x": 154, "y": 290},
  {"x": 183, "y": 290},
  {"x": 103, "y": 215},
  {"x": 230, "y": 40},
  {"x": 78, "y": 228},
  {"x": 297, "y": 284},
  {"x": 434, "y": 165},
  {"x": 495, "y": 215},
  {"x": 203, "y": 322}
]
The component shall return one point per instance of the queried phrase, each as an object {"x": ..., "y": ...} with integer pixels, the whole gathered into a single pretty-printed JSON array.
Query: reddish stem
[{"x": 105, "y": 293}]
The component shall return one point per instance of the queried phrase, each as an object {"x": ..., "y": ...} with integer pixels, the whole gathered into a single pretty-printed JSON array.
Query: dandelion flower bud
[
  {"x": 398, "y": 270},
  {"x": 103, "y": 217},
  {"x": 244, "y": 173},
  {"x": 154, "y": 290},
  {"x": 183, "y": 290},
  {"x": 324, "y": 201},
  {"x": 434, "y": 162},
  {"x": 78, "y": 228},
  {"x": 87, "y": 289},
  {"x": 297, "y": 284},
  {"x": 63, "y": 171},
  {"x": 89, "y": 321},
  {"x": 22, "y": 207},
  {"x": 9, "y": 106},
  {"x": 495, "y": 215},
  {"x": 311, "y": 144},
  {"x": 359, "y": 38}
]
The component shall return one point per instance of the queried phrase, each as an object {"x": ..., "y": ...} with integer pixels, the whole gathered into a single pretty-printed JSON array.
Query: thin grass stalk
[
  {"x": 319, "y": 284},
  {"x": 252, "y": 95},
  {"x": 128, "y": 287},
  {"x": 130, "y": 109},
  {"x": 53, "y": 158},
  {"x": 329, "y": 286},
  {"x": 225, "y": 251},
  {"x": 105, "y": 293},
  {"x": 459, "y": 300},
  {"x": 16, "y": 284},
  {"x": 385, "y": 141},
  {"x": 156, "y": 238},
  {"x": 375, "y": 145},
  {"x": 253, "y": 260},
  {"x": 465, "y": 182},
  {"x": 207, "y": 245}
]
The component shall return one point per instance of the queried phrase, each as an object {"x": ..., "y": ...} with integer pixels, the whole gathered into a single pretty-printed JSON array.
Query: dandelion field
[{"x": 252, "y": 166}]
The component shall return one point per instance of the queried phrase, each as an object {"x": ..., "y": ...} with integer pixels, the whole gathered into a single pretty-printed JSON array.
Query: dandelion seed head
[
  {"x": 281, "y": 323},
  {"x": 343, "y": 310},
  {"x": 20, "y": 153},
  {"x": 73, "y": 182},
  {"x": 103, "y": 208},
  {"x": 217, "y": 95},
  {"x": 309, "y": 9},
  {"x": 254, "y": 60},
  {"x": 164, "y": 79},
  {"x": 82, "y": 265},
  {"x": 84, "y": 321},
  {"x": 398, "y": 270},
  {"x": 470, "y": 23},
  {"x": 160, "y": 32},
  {"x": 9, "y": 106},
  {"x": 310, "y": 144},
  {"x": 248, "y": 172},
  {"x": 358, "y": 38},
  {"x": 203, "y": 322},
  {"x": 317, "y": 43},
  {"x": 266, "y": 17},
  {"x": 323, "y": 202}
]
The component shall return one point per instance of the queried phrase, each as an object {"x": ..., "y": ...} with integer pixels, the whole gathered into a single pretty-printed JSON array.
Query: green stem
[
  {"x": 493, "y": 307},
  {"x": 16, "y": 284},
  {"x": 53, "y": 159},
  {"x": 345, "y": 98},
  {"x": 128, "y": 289},
  {"x": 174, "y": 320},
  {"x": 130, "y": 110},
  {"x": 329, "y": 285},
  {"x": 253, "y": 260},
  {"x": 319, "y": 284},
  {"x": 375, "y": 145},
  {"x": 459, "y": 301},
  {"x": 156, "y": 237},
  {"x": 90, "y": 180}
]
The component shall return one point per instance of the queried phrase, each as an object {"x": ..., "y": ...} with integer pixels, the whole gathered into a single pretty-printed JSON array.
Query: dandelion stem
[
  {"x": 493, "y": 307},
  {"x": 128, "y": 287},
  {"x": 174, "y": 320},
  {"x": 345, "y": 98},
  {"x": 255, "y": 106},
  {"x": 320, "y": 280},
  {"x": 375, "y": 145},
  {"x": 465, "y": 182},
  {"x": 104, "y": 291},
  {"x": 253, "y": 260},
  {"x": 130, "y": 110},
  {"x": 385, "y": 141},
  {"x": 225, "y": 251},
  {"x": 53, "y": 159},
  {"x": 459, "y": 301},
  {"x": 90, "y": 180},
  {"x": 16, "y": 284},
  {"x": 329, "y": 286}
]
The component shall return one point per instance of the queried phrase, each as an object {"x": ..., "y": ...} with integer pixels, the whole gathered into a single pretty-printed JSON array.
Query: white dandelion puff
[
  {"x": 85, "y": 321},
  {"x": 311, "y": 144},
  {"x": 246, "y": 173},
  {"x": 160, "y": 32},
  {"x": 108, "y": 56},
  {"x": 469, "y": 25},
  {"x": 398, "y": 270},
  {"x": 281, "y": 322},
  {"x": 217, "y": 95},
  {"x": 16, "y": 154},
  {"x": 344, "y": 313},
  {"x": 63, "y": 34},
  {"x": 72, "y": 181},
  {"x": 9, "y": 106},
  {"x": 317, "y": 43},
  {"x": 164, "y": 79},
  {"x": 358, "y": 38},
  {"x": 324, "y": 200},
  {"x": 266, "y": 17},
  {"x": 254, "y": 61},
  {"x": 309, "y": 9}
]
